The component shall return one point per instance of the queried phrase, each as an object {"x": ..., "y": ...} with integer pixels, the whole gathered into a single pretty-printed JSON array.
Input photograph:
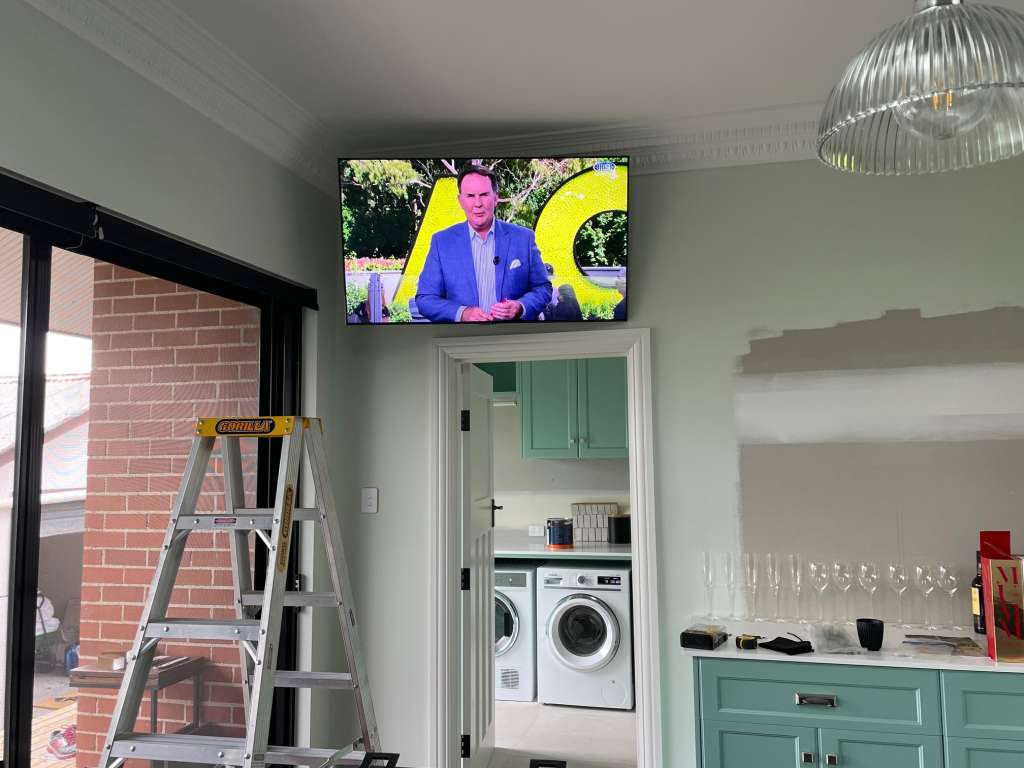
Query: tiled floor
[{"x": 585, "y": 738}]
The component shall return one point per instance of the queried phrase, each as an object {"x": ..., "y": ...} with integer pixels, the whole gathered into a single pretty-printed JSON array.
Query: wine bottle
[{"x": 978, "y": 601}]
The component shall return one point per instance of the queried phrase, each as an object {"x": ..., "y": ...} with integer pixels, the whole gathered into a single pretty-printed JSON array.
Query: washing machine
[
  {"x": 585, "y": 636},
  {"x": 515, "y": 632}
]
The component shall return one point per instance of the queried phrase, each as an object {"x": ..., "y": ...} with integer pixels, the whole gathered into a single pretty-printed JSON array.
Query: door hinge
[
  {"x": 465, "y": 745},
  {"x": 465, "y": 421},
  {"x": 465, "y": 579}
]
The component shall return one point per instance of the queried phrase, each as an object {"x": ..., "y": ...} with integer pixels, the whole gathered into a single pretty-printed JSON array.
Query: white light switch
[{"x": 368, "y": 501}]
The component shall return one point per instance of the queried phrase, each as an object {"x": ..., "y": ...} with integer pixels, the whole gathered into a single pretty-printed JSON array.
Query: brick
[
  {"x": 151, "y": 502},
  {"x": 99, "y": 376},
  {"x": 128, "y": 448},
  {"x": 104, "y": 503},
  {"x": 107, "y": 467},
  {"x": 127, "y": 521},
  {"x": 102, "y": 540},
  {"x": 153, "y": 285},
  {"x": 100, "y": 611},
  {"x": 102, "y": 307},
  {"x": 98, "y": 412},
  {"x": 138, "y": 575},
  {"x": 153, "y": 321},
  {"x": 186, "y": 355},
  {"x": 102, "y": 575},
  {"x": 132, "y": 340},
  {"x": 118, "y": 631},
  {"x": 102, "y": 271},
  {"x": 198, "y": 577},
  {"x": 152, "y": 393},
  {"x": 126, "y": 376},
  {"x": 105, "y": 430},
  {"x": 101, "y": 341},
  {"x": 123, "y": 594},
  {"x": 199, "y": 319},
  {"x": 108, "y": 394},
  {"x": 210, "y": 301},
  {"x": 195, "y": 392},
  {"x": 156, "y": 466},
  {"x": 216, "y": 373},
  {"x": 123, "y": 273},
  {"x": 247, "y": 390},
  {"x": 174, "y": 373},
  {"x": 133, "y": 306},
  {"x": 203, "y": 596},
  {"x": 240, "y": 354},
  {"x": 126, "y": 557},
  {"x": 176, "y": 302},
  {"x": 248, "y": 316},
  {"x": 251, "y": 335},
  {"x": 146, "y": 357},
  {"x": 111, "y": 323},
  {"x": 170, "y": 447},
  {"x": 148, "y": 540},
  {"x": 219, "y": 336},
  {"x": 164, "y": 483},
  {"x": 129, "y": 411},
  {"x": 151, "y": 429},
  {"x": 106, "y": 290},
  {"x": 174, "y": 338},
  {"x": 129, "y": 484},
  {"x": 92, "y": 557}
]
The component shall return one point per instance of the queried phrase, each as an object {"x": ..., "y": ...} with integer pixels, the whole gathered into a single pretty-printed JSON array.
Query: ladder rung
[
  {"x": 205, "y": 629},
  {"x": 243, "y": 520},
  {"x": 219, "y": 750},
  {"x": 289, "y": 679},
  {"x": 298, "y": 513},
  {"x": 302, "y": 599}
]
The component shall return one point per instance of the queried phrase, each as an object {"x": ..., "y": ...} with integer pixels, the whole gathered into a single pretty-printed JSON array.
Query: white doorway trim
[{"x": 443, "y": 456}]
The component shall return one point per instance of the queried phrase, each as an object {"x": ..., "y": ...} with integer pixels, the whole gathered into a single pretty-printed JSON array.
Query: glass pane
[
  {"x": 10, "y": 342},
  {"x": 582, "y": 630},
  {"x": 140, "y": 359}
]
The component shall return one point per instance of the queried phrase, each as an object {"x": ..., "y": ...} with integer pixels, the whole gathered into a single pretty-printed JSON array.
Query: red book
[{"x": 1004, "y": 596}]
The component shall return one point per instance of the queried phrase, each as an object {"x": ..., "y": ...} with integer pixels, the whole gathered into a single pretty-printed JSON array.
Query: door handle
[
  {"x": 831, "y": 759},
  {"x": 494, "y": 508},
  {"x": 816, "y": 700},
  {"x": 807, "y": 758}
]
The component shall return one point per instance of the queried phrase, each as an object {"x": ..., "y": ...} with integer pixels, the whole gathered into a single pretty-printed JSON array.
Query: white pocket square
[{"x": 516, "y": 264}]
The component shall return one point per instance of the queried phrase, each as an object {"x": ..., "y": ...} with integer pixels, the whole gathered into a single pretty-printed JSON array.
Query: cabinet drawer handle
[
  {"x": 816, "y": 700},
  {"x": 807, "y": 758},
  {"x": 831, "y": 759}
]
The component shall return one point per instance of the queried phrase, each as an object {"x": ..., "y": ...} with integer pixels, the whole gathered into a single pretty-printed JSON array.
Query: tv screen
[{"x": 490, "y": 240}]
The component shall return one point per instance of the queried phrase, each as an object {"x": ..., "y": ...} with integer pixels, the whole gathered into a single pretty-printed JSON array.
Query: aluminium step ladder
[{"x": 258, "y": 637}]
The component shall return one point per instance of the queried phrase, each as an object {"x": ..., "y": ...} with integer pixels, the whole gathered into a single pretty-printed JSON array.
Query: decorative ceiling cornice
[
  {"x": 163, "y": 45},
  {"x": 155, "y": 40}
]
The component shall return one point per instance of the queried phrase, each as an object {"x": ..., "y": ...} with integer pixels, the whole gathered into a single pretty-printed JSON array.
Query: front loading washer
[
  {"x": 515, "y": 619},
  {"x": 584, "y": 636}
]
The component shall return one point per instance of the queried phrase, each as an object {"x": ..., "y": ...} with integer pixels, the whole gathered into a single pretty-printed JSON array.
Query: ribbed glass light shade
[{"x": 940, "y": 91}]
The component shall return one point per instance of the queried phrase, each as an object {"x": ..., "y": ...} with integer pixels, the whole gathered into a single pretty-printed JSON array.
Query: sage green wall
[
  {"x": 717, "y": 256},
  {"x": 76, "y": 119}
]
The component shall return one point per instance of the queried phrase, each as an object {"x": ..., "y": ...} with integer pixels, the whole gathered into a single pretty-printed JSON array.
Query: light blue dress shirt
[{"x": 485, "y": 268}]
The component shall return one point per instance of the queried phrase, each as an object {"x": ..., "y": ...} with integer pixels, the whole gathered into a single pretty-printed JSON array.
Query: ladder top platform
[{"x": 252, "y": 426}]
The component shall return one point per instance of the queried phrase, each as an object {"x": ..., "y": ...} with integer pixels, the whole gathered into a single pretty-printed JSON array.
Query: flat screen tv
[{"x": 486, "y": 240}]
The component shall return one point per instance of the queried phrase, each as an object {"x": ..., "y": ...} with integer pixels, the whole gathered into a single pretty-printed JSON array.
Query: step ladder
[{"x": 257, "y": 637}]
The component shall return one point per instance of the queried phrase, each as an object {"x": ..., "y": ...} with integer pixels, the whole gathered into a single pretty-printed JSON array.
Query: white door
[{"x": 478, "y": 557}]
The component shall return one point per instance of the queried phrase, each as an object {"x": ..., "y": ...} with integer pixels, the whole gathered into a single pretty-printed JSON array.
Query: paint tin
[{"x": 559, "y": 532}]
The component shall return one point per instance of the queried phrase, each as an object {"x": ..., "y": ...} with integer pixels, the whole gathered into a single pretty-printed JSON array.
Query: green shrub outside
[
  {"x": 593, "y": 310},
  {"x": 400, "y": 312},
  {"x": 354, "y": 296}
]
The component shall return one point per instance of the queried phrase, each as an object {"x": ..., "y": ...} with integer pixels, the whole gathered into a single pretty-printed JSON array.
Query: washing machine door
[
  {"x": 506, "y": 623},
  {"x": 583, "y": 633}
]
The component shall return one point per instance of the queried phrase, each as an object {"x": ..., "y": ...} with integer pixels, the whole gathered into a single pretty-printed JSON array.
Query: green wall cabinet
[{"x": 573, "y": 409}]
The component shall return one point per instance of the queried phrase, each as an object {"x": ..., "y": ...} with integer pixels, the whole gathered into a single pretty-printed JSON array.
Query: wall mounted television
[{"x": 485, "y": 240}]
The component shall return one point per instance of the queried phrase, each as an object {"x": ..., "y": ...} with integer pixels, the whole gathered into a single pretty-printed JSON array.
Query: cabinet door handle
[
  {"x": 572, "y": 441},
  {"x": 831, "y": 759},
  {"x": 807, "y": 758},
  {"x": 816, "y": 700}
]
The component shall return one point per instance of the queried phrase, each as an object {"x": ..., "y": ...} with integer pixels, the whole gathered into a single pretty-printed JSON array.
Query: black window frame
[{"x": 47, "y": 219}]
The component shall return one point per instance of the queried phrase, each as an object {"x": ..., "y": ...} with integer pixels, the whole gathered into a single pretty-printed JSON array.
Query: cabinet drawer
[
  {"x": 856, "y": 749},
  {"x": 984, "y": 753},
  {"x": 882, "y": 700},
  {"x": 984, "y": 705}
]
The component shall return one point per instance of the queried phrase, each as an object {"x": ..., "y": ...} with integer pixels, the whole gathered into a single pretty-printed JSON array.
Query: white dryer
[
  {"x": 584, "y": 636},
  {"x": 515, "y": 621}
]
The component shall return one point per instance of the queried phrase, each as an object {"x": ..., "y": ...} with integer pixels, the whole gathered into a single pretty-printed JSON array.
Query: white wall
[
  {"x": 79, "y": 121},
  {"x": 718, "y": 257},
  {"x": 532, "y": 490}
]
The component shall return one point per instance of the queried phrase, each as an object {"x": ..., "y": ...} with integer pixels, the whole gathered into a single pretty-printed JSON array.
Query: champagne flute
[
  {"x": 750, "y": 579},
  {"x": 795, "y": 567},
  {"x": 773, "y": 573},
  {"x": 898, "y": 584},
  {"x": 820, "y": 579},
  {"x": 924, "y": 582},
  {"x": 842, "y": 577},
  {"x": 868, "y": 578},
  {"x": 947, "y": 580},
  {"x": 729, "y": 570},
  {"x": 709, "y": 582}
]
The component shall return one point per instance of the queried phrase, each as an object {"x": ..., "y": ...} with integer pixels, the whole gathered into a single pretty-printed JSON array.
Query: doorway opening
[{"x": 464, "y": 543}]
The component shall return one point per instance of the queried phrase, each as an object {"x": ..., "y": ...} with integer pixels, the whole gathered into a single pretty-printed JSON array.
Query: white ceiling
[{"x": 676, "y": 85}]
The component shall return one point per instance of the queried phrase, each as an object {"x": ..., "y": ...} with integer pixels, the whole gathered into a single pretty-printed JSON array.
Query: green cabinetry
[
  {"x": 573, "y": 409},
  {"x": 984, "y": 753},
  {"x": 856, "y": 749},
  {"x": 741, "y": 745}
]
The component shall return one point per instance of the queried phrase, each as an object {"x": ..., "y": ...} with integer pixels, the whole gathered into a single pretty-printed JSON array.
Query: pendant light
[{"x": 940, "y": 91}]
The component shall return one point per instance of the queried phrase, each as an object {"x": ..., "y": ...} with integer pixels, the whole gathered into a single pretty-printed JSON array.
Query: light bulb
[{"x": 945, "y": 115}]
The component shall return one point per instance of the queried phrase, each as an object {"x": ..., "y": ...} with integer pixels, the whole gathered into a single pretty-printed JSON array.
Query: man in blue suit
[{"x": 482, "y": 270}]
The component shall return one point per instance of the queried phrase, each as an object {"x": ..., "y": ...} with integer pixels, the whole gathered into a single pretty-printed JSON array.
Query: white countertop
[
  {"x": 893, "y": 653},
  {"x": 516, "y": 543}
]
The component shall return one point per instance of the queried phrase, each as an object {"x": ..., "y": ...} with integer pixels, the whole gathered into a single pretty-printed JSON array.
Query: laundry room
[{"x": 563, "y": 629}]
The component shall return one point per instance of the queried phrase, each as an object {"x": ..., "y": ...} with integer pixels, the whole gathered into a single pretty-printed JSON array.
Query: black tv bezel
[{"x": 494, "y": 323}]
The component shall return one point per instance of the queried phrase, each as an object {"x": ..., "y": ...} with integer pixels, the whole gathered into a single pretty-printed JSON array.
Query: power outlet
[{"x": 369, "y": 501}]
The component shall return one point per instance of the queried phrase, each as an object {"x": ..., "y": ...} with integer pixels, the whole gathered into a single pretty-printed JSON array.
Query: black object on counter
[
  {"x": 870, "y": 632},
  {"x": 703, "y": 637},
  {"x": 787, "y": 646},
  {"x": 559, "y": 532},
  {"x": 618, "y": 529}
]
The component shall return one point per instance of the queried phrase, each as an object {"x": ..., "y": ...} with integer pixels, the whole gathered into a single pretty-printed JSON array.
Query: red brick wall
[{"x": 163, "y": 355}]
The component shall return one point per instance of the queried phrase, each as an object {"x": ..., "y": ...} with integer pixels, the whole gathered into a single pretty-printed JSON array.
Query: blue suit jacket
[{"x": 448, "y": 279}]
